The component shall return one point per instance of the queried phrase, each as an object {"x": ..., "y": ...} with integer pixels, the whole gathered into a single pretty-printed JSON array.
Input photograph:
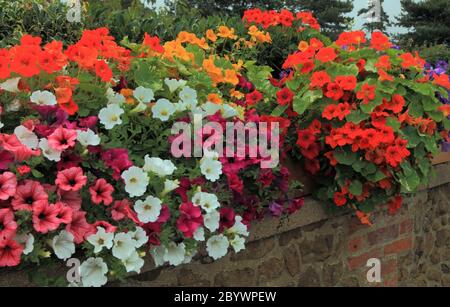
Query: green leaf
[
  {"x": 345, "y": 157},
  {"x": 356, "y": 188},
  {"x": 393, "y": 123},
  {"x": 357, "y": 116},
  {"x": 279, "y": 110},
  {"x": 302, "y": 103}
]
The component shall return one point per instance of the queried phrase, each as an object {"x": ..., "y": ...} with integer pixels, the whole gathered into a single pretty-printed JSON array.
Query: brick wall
[
  {"x": 314, "y": 249},
  {"x": 413, "y": 247}
]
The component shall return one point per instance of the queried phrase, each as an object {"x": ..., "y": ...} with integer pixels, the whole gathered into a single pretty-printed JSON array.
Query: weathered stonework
[{"x": 313, "y": 249}]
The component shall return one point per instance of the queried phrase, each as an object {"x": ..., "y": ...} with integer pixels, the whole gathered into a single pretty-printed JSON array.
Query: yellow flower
[
  {"x": 211, "y": 35},
  {"x": 226, "y": 32},
  {"x": 238, "y": 66},
  {"x": 236, "y": 94},
  {"x": 302, "y": 46}
]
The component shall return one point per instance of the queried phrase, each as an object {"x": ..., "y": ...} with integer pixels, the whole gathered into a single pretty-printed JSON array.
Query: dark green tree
[
  {"x": 381, "y": 24},
  {"x": 428, "y": 21}
]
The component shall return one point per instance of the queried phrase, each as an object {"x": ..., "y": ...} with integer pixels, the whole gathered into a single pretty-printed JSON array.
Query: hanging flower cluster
[{"x": 86, "y": 162}]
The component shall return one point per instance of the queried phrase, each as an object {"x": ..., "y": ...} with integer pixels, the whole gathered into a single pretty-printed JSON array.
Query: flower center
[{"x": 133, "y": 180}]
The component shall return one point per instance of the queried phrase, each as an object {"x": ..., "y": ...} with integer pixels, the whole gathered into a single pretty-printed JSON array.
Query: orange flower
[
  {"x": 302, "y": 46},
  {"x": 231, "y": 77},
  {"x": 215, "y": 98},
  {"x": 326, "y": 54},
  {"x": 442, "y": 80},
  {"x": 63, "y": 95},
  {"x": 226, "y": 32},
  {"x": 153, "y": 43},
  {"x": 211, "y": 35},
  {"x": 380, "y": 41}
]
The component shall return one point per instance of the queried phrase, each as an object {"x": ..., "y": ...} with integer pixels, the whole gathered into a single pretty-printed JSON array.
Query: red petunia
[
  {"x": 339, "y": 199},
  {"x": 101, "y": 191},
  {"x": 253, "y": 97},
  {"x": 326, "y": 54},
  {"x": 319, "y": 79},
  {"x": 285, "y": 96},
  {"x": 305, "y": 138},
  {"x": 8, "y": 184},
  {"x": 153, "y": 42},
  {"x": 190, "y": 219},
  {"x": 10, "y": 253},
  {"x": 45, "y": 217}
]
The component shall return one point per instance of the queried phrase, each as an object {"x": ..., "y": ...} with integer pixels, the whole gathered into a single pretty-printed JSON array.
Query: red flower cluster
[{"x": 284, "y": 18}]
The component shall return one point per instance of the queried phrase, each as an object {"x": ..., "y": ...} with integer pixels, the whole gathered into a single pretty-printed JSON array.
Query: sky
[{"x": 391, "y": 7}]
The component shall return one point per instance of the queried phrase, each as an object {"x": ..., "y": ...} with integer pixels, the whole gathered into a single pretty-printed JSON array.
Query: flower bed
[{"x": 88, "y": 164}]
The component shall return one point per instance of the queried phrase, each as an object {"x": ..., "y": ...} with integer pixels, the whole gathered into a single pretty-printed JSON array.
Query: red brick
[
  {"x": 388, "y": 267},
  {"x": 406, "y": 226},
  {"x": 355, "y": 245},
  {"x": 384, "y": 234},
  {"x": 361, "y": 260},
  {"x": 399, "y": 246}
]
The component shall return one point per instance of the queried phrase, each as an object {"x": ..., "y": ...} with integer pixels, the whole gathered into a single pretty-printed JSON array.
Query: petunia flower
[
  {"x": 8, "y": 185},
  {"x": 148, "y": 211},
  {"x": 62, "y": 139},
  {"x": 101, "y": 191},
  {"x": 71, "y": 179},
  {"x": 63, "y": 245},
  {"x": 217, "y": 246},
  {"x": 93, "y": 272}
]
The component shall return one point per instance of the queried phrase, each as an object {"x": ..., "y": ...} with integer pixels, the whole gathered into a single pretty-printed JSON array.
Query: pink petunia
[
  {"x": 10, "y": 253},
  {"x": 62, "y": 139},
  {"x": 70, "y": 198},
  {"x": 189, "y": 220},
  {"x": 29, "y": 194},
  {"x": 8, "y": 185},
  {"x": 8, "y": 225},
  {"x": 45, "y": 217},
  {"x": 101, "y": 191},
  {"x": 64, "y": 213},
  {"x": 79, "y": 227},
  {"x": 71, "y": 179}
]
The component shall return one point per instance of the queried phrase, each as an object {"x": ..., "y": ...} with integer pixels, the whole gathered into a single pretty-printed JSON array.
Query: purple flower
[
  {"x": 446, "y": 146},
  {"x": 275, "y": 209}
]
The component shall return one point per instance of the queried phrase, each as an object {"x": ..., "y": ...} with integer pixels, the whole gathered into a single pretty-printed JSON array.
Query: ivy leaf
[
  {"x": 345, "y": 157},
  {"x": 357, "y": 116},
  {"x": 356, "y": 188},
  {"x": 302, "y": 103}
]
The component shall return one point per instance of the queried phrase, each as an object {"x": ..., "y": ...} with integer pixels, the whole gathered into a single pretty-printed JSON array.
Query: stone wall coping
[{"x": 313, "y": 211}]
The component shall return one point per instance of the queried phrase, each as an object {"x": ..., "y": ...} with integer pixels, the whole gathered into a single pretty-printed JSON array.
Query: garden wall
[{"x": 313, "y": 249}]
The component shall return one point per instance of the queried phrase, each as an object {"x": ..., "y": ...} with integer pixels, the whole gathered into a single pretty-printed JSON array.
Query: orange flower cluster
[{"x": 284, "y": 18}]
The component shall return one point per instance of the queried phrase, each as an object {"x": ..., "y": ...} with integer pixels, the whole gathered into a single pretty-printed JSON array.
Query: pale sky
[{"x": 391, "y": 7}]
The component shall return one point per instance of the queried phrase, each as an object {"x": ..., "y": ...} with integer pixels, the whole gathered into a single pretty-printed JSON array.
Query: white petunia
[
  {"x": 211, "y": 108},
  {"x": 207, "y": 201},
  {"x": 174, "y": 84},
  {"x": 163, "y": 109},
  {"x": 189, "y": 254},
  {"x": 1, "y": 125},
  {"x": 133, "y": 263},
  {"x": 174, "y": 253},
  {"x": 199, "y": 234},
  {"x": 110, "y": 116},
  {"x": 144, "y": 95},
  {"x": 93, "y": 272},
  {"x": 11, "y": 85},
  {"x": 211, "y": 169},
  {"x": 211, "y": 220},
  {"x": 170, "y": 185},
  {"x": 115, "y": 98},
  {"x": 157, "y": 253},
  {"x": 88, "y": 138},
  {"x": 238, "y": 228},
  {"x": 238, "y": 243},
  {"x": 217, "y": 246},
  {"x": 148, "y": 211},
  {"x": 63, "y": 245},
  {"x": 189, "y": 97},
  {"x": 124, "y": 245},
  {"x": 27, "y": 240},
  {"x": 43, "y": 98},
  {"x": 49, "y": 152},
  {"x": 159, "y": 166},
  {"x": 26, "y": 137},
  {"x": 228, "y": 111},
  {"x": 101, "y": 239},
  {"x": 136, "y": 181},
  {"x": 140, "y": 236}
]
